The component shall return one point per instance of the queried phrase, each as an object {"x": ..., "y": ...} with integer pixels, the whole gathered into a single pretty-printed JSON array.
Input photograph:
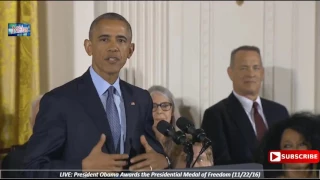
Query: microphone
[
  {"x": 198, "y": 135},
  {"x": 178, "y": 137},
  {"x": 167, "y": 130}
]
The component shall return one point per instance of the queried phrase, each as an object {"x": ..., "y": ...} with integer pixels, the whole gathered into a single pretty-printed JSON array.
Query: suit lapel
[
  {"x": 91, "y": 102},
  {"x": 267, "y": 111},
  {"x": 240, "y": 117},
  {"x": 132, "y": 114}
]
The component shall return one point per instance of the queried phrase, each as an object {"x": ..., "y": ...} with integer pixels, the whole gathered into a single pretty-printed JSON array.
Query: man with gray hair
[
  {"x": 14, "y": 159},
  {"x": 237, "y": 124}
]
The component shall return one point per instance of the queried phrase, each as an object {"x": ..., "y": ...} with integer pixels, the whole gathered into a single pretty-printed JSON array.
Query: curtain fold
[{"x": 19, "y": 72}]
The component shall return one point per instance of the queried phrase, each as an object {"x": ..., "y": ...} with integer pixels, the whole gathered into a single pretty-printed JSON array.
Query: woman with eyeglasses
[{"x": 164, "y": 108}]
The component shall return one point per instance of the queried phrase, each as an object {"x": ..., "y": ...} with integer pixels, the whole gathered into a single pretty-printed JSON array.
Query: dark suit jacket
[
  {"x": 14, "y": 161},
  {"x": 71, "y": 120},
  {"x": 228, "y": 126}
]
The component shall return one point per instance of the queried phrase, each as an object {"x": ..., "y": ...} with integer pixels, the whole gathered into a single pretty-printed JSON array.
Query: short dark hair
[
  {"x": 243, "y": 48},
  {"x": 110, "y": 16},
  {"x": 305, "y": 123}
]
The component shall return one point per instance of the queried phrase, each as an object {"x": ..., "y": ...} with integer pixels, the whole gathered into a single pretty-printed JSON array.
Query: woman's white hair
[{"x": 165, "y": 92}]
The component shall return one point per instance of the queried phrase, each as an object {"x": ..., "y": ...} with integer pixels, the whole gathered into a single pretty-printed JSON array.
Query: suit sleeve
[
  {"x": 286, "y": 113},
  {"x": 4, "y": 166},
  {"x": 149, "y": 134},
  {"x": 46, "y": 145},
  {"x": 13, "y": 161},
  {"x": 212, "y": 124}
]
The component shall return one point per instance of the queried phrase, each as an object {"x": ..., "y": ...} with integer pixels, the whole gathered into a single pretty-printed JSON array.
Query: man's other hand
[{"x": 151, "y": 160}]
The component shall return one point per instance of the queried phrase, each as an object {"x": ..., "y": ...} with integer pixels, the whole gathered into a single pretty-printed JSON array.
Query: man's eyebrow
[
  {"x": 121, "y": 36},
  {"x": 104, "y": 36},
  {"x": 108, "y": 36}
]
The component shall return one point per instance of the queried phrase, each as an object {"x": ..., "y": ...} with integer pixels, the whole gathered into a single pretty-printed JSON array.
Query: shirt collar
[
  {"x": 247, "y": 103},
  {"x": 102, "y": 85}
]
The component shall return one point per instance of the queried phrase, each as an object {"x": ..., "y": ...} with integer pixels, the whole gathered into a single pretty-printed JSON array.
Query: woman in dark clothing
[{"x": 301, "y": 131}]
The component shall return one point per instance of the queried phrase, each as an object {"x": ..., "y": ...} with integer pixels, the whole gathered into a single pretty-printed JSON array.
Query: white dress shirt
[{"x": 247, "y": 105}]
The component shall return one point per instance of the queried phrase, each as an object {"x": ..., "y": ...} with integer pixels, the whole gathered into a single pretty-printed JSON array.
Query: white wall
[
  {"x": 186, "y": 47},
  {"x": 63, "y": 26}
]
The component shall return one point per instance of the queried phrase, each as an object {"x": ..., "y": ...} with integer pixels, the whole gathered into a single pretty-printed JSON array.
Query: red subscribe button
[{"x": 294, "y": 156}]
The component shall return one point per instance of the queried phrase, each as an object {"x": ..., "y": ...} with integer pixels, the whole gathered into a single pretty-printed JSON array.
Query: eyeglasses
[{"x": 165, "y": 106}]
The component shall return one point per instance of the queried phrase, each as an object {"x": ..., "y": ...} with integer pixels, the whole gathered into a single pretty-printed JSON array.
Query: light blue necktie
[{"x": 113, "y": 118}]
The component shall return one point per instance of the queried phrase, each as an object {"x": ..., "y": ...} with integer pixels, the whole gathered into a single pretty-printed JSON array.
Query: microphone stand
[
  {"x": 180, "y": 138},
  {"x": 188, "y": 149},
  {"x": 205, "y": 145}
]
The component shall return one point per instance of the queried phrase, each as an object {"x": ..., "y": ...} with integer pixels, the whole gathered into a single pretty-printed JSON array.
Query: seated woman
[
  {"x": 299, "y": 132},
  {"x": 164, "y": 108},
  {"x": 179, "y": 157}
]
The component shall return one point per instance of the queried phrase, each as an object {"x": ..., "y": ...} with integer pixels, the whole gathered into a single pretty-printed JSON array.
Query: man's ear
[
  {"x": 262, "y": 74},
  {"x": 88, "y": 46},
  {"x": 131, "y": 50},
  {"x": 230, "y": 73}
]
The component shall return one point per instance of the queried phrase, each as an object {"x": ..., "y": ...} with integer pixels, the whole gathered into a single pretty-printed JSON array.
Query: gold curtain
[{"x": 19, "y": 72}]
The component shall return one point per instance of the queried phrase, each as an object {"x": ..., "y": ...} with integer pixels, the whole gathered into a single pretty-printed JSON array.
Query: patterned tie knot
[
  {"x": 111, "y": 90},
  {"x": 255, "y": 105}
]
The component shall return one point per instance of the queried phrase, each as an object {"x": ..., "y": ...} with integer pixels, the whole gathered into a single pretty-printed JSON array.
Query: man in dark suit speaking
[
  {"x": 237, "y": 123},
  {"x": 97, "y": 121}
]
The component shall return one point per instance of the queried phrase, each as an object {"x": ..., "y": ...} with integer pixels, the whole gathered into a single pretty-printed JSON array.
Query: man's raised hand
[{"x": 100, "y": 161}]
